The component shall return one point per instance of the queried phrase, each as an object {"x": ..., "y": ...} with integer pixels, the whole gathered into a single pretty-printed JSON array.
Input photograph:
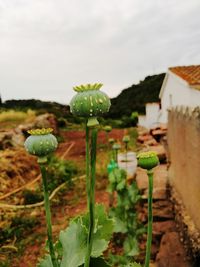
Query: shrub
[
  {"x": 18, "y": 116},
  {"x": 31, "y": 197},
  {"x": 59, "y": 171}
]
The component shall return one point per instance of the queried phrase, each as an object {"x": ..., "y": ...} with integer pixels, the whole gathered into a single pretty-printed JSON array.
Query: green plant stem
[
  {"x": 126, "y": 156},
  {"x": 87, "y": 152},
  {"x": 150, "y": 218},
  {"x": 48, "y": 215},
  {"x": 116, "y": 156},
  {"x": 113, "y": 154},
  {"x": 91, "y": 197}
]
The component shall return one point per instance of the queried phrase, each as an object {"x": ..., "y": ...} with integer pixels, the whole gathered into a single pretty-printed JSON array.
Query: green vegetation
[
  {"x": 135, "y": 97},
  {"x": 134, "y": 118},
  {"x": 132, "y": 99},
  {"x": 59, "y": 171},
  {"x": 133, "y": 133},
  {"x": 18, "y": 228},
  {"x": 148, "y": 161},
  {"x": 18, "y": 116},
  {"x": 31, "y": 196},
  {"x": 83, "y": 242},
  {"x": 125, "y": 215}
]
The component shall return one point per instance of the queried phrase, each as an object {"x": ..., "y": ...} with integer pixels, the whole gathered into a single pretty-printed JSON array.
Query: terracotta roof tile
[{"x": 191, "y": 74}]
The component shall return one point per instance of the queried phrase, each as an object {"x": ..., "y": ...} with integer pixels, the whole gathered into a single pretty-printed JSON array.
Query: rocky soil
[{"x": 167, "y": 248}]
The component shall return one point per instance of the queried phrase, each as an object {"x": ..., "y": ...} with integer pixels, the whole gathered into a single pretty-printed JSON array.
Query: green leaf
[
  {"x": 74, "y": 241},
  {"x": 141, "y": 230},
  {"x": 102, "y": 231},
  {"x": 103, "y": 225},
  {"x": 121, "y": 185},
  {"x": 74, "y": 238},
  {"x": 111, "y": 177},
  {"x": 98, "y": 262},
  {"x": 134, "y": 264},
  {"x": 46, "y": 262},
  {"x": 111, "y": 188},
  {"x": 119, "y": 225},
  {"x": 131, "y": 247},
  {"x": 134, "y": 193},
  {"x": 58, "y": 248}
]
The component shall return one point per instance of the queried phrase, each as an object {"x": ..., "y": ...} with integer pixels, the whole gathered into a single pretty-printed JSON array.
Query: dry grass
[
  {"x": 16, "y": 168},
  {"x": 17, "y": 116}
]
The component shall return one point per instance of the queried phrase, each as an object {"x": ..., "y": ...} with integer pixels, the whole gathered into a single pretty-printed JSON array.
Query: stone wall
[{"x": 184, "y": 158}]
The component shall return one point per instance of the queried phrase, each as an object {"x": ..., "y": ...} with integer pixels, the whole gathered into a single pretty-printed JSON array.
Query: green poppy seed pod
[
  {"x": 107, "y": 128},
  {"x": 116, "y": 146},
  {"x": 40, "y": 143},
  {"x": 90, "y": 102},
  {"x": 111, "y": 141},
  {"x": 148, "y": 160},
  {"x": 126, "y": 139}
]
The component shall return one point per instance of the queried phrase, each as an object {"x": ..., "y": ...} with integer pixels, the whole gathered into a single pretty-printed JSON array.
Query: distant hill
[
  {"x": 136, "y": 96},
  {"x": 131, "y": 99},
  {"x": 39, "y": 105}
]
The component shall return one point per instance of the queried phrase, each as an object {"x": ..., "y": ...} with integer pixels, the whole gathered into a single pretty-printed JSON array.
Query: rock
[
  {"x": 159, "y": 149},
  {"x": 151, "y": 142},
  {"x": 171, "y": 252},
  {"x": 160, "y": 228},
  {"x": 162, "y": 210},
  {"x": 158, "y": 134},
  {"x": 47, "y": 120},
  {"x": 11, "y": 138},
  {"x": 160, "y": 182},
  {"x": 142, "y": 130},
  {"x": 16, "y": 137},
  {"x": 144, "y": 138},
  {"x": 5, "y": 139}
]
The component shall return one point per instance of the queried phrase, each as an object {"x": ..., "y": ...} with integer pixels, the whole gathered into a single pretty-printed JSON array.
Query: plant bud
[
  {"x": 107, "y": 128},
  {"x": 111, "y": 141},
  {"x": 126, "y": 139},
  {"x": 148, "y": 160},
  {"x": 41, "y": 142},
  {"x": 116, "y": 146},
  {"x": 90, "y": 102}
]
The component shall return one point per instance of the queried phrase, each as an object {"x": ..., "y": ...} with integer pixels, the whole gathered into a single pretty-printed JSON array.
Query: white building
[
  {"x": 150, "y": 120},
  {"x": 181, "y": 86}
]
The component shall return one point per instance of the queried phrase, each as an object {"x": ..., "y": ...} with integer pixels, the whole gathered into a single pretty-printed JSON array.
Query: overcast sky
[{"x": 48, "y": 46}]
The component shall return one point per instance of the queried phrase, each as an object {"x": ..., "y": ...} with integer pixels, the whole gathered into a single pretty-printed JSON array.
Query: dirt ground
[{"x": 73, "y": 200}]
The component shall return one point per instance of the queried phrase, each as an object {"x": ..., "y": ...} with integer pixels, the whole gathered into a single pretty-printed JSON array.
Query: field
[{"x": 23, "y": 227}]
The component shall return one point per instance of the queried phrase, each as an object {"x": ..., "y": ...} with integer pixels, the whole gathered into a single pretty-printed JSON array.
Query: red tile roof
[{"x": 191, "y": 74}]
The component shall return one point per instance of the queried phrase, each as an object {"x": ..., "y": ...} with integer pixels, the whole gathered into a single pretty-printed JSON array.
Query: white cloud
[{"x": 47, "y": 46}]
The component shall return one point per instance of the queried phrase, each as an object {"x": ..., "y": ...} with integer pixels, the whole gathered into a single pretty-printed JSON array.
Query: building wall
[
  {"x": 142, "y": 121},
  {"x": 152, "y": 113},
  {"x": 184, "y": 156},
  {"x": 175, "y": 92},
  {"x": 151, "y": 118}
]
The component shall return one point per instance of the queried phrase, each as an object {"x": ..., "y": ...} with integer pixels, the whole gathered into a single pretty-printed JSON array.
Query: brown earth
[{"x": 73, "y": 201}]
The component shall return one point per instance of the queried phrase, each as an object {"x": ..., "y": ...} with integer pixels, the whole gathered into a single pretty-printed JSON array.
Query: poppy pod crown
[
  {"x": 126, "y": 139},
  {"x": 90, "y": 102},
  {"x": 41, "y": 142},
  {"x": 148, "y": 160}
]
